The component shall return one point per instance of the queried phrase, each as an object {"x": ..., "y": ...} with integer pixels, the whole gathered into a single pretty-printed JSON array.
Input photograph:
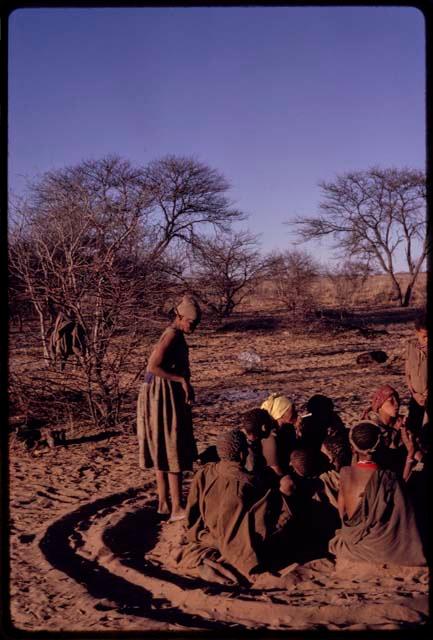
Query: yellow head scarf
[{"x": 276, "y": 405}]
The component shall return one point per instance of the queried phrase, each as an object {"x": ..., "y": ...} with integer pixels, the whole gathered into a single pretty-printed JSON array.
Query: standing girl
[{"x": 164, "y": 420}]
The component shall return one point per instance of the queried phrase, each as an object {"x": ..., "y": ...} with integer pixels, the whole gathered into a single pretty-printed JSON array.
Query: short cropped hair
[
  {"x": 306, "y": 462},
  {"x": 320, "y": 404},
  {"x": 339, "y": 447},
  {"x": 230, "y": 445},
  {"x": 257, "y": 422},
  {"x": 365, "y": 437}
]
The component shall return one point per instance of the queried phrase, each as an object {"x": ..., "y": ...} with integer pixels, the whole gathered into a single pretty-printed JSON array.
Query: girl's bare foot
[
  {"x": 163, "y": 509},
  {"x": 180, "y": 514}
]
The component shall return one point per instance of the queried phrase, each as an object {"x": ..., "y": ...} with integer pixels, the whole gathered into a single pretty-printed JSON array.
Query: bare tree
[
  {"x": 376, "y": 215},
  {"x": 223, "y": 270},
  {"x": 74, "y": 249},
  {"x": 92, "y": 242},
  {"x": 293, "y": 274},
  {"x": 186, "y": 195},
  {"x": 19, "y": 307},
  {"x": 70, "y": 234}
]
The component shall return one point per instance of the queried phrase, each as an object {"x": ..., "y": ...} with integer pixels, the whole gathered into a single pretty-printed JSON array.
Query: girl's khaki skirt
[{"x": 164, "y": 426}]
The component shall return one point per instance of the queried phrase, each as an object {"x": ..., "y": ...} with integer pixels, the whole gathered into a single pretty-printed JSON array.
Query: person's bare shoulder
[
  {"x": 165, "y": 342},
  {"x": 167, "y": 338},
  {"x": 169, "y": 334},
  {"x": 345, "y": 474}
]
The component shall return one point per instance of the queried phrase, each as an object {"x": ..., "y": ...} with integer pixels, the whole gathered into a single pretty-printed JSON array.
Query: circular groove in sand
[
  {"x": 102, "y": 546},
  {"x": 74, "y": 545}
]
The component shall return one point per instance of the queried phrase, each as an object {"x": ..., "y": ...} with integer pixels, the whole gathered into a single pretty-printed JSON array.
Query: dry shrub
[
  {"x": 348, "y": 280},
  {"x": 294, "y": 275},
  {"x": 93, "y": 244},
  {"x": 46, "y": 399}
]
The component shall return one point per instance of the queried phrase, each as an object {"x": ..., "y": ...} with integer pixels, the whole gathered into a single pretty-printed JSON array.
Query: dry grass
[{"x": 375, "y": 292}]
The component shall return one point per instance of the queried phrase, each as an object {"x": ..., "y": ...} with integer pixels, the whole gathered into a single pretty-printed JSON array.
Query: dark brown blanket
[
  {"x": 224, "y": 512},
  {"x": 383, "y": 528}
]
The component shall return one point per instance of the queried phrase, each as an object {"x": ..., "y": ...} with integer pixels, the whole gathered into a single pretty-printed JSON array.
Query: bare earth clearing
[{"x": 83, "y": 516}]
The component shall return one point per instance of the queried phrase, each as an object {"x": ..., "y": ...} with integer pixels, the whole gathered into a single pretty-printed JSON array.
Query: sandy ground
[{"x": 89, "y": 553}]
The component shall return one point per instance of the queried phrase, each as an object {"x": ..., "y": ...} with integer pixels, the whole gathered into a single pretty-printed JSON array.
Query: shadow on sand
[
  {"x": 130, "y": 539},
  {"x": 96, "y": 437},
  {"x": 388, "y": 316},
  {"x": 265, "y": 323}
]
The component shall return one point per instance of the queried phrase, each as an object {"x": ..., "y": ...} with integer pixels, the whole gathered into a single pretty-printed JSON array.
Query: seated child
[
  {"x": 336, "y": 448},
  {"x": 282, "y": 439},
  {"x": 317, "y": 519},
  {"x": 305, "y": 466},
  {"x": 256, "y": 424},
  {"x": 321, "y": 421},
  {"x": 378, "y": 523},
  {"x": 384, "y": 412},
  {"x": 280, "y": 548},
  {"x": 225, "y": 513}
]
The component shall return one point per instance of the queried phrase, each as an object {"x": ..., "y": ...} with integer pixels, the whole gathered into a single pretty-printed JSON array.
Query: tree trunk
[
  {"x": 396, "y": 289},
  {"x": 43, "y": 337},
  {"x": 104, "y": 404},
  {"x": 407, "y": 296},
  {"x": 409, "y": 289}
]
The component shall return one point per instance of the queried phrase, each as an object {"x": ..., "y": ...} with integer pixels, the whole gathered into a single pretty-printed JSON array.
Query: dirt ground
[{"x": 88, "y": 552}]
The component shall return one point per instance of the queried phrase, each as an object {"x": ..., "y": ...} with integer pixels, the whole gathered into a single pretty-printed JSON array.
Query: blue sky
[{"x": 276, "y": 98}]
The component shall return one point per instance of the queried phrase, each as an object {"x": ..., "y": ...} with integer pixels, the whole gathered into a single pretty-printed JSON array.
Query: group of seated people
[
  {"x": 283, "y": 488},
  {"x": 280, "y": 491}
]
